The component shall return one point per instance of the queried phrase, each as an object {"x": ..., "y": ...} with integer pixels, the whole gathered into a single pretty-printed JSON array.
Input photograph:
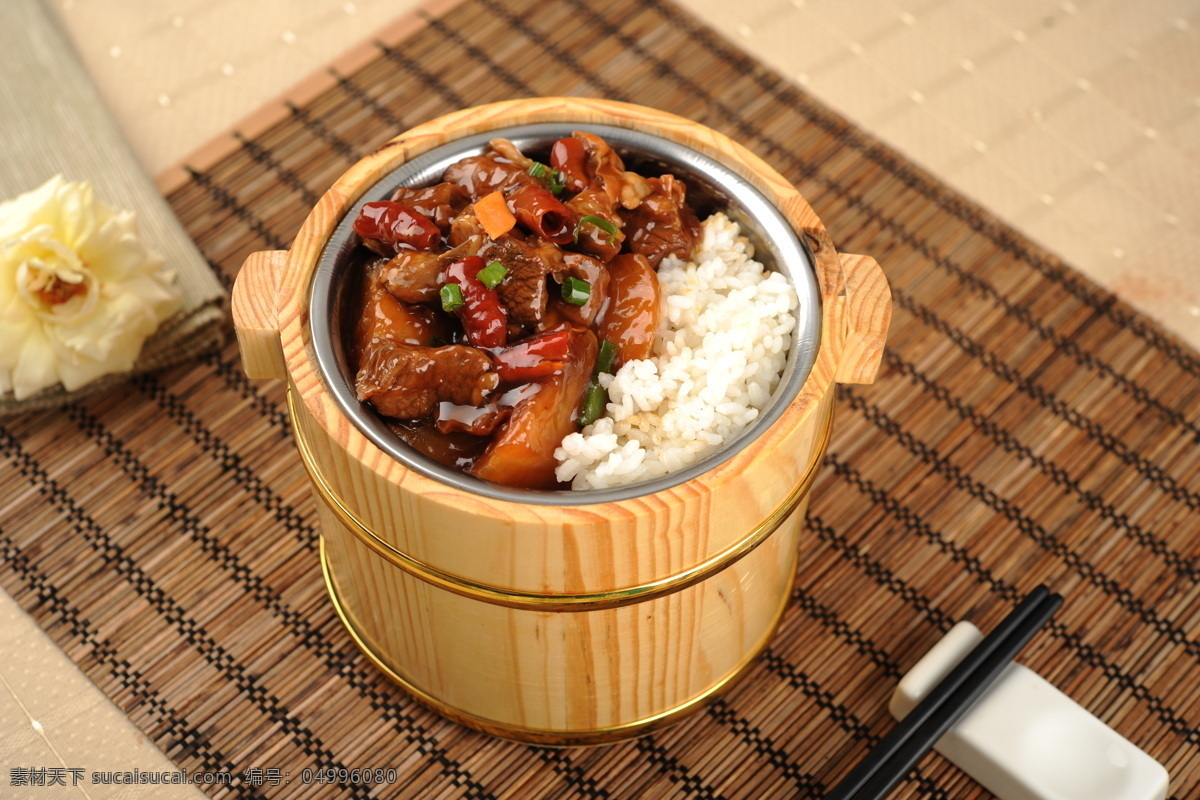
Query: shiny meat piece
[
  {"x": 455, "y": 450},
  {"x": 481, "y": 175},
  {"x": 384, "y": 317},
  {"x": 467, "y": 227},
  {"x": 504, "y": 150},
  {"x": 440, "y": 203},
  {"x": 413, "y": 276},
  {"x": 567, "y": 156},
  {"x": 407, "y": 382},
  {"x": 633, "y": 311},
  {"x": 663, "y": 224},
  {"x": 607, "y": 171},
  {"x": 522, "y": 454},
  {"x": 609, "y": 186},
  {"x": 634, "y": 189},
  {"x": 453, "y": 418},
  {"x": 528, "y": 261},
  {"x": 594, "y": 240},
  {"x": 596, "y": 274}
]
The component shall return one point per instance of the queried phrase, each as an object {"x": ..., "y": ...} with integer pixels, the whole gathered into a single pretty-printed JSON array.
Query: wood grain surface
[{"x": 1025, "y": 427}]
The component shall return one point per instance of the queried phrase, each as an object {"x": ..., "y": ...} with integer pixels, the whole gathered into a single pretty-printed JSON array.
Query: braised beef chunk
[
  {"x": 663, "y": 224},
  {"x": 568, "y": 157},
  {"x": 383, "y": 317},
  {"x": 413, "y": 276},
  {"x": 440, "y": 203},
  {"x": 609, "y": 187},
  {"x": 455, "y": 450},
  {"x": 593, "y": 239},
  {"x": 504, "y": 150},
  {"x": 606, "y": 169},
  {"x": 595, "y": 273},
  {"x": 634, "y": 308},
  {"x": 528, "y": 261},
  {"x": 481, "y": 175},
  {"x": 466, "y": 227},
  {"x": 408, "y": 382}
]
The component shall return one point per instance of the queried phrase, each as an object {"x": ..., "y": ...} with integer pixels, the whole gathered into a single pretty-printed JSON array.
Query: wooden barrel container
[{"x": 559, "y": 618}]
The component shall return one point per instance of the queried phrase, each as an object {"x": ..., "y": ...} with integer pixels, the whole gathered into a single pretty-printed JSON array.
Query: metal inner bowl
[{"x": 711, "y": 187}]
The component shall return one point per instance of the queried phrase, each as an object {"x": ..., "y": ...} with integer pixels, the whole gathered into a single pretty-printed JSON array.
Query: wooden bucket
[{"x": 559, "y": 623}]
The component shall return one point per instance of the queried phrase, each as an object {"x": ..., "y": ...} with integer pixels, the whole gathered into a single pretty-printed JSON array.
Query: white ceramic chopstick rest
[{"x": 1023, "y": 739}]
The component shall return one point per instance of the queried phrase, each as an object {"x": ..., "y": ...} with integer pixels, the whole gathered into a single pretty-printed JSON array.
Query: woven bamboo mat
[{"x": 1026, "y": 428}]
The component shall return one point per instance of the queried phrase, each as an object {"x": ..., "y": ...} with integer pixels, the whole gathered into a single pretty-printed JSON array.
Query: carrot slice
[{"x": 494, "y": 215}]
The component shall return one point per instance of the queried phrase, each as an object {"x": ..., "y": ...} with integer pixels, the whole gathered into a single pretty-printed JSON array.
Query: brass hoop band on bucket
[
  {"x": 615, "y": 733},
  {"x": 584, "y": 601}
]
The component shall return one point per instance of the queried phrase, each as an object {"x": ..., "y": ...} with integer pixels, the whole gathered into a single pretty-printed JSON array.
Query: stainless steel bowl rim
[{"x": 776, "y": 244}]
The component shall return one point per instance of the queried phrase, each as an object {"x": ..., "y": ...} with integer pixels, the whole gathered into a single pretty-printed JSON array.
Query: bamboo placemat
[{"x": 1027, "y": 428}]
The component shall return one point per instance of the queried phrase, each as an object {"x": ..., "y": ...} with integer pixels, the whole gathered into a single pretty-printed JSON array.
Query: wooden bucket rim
[{"x": 295, "y": 280}]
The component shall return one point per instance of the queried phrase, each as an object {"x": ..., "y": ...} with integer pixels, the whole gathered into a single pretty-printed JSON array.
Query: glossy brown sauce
[{"x": 477, "y": 335}]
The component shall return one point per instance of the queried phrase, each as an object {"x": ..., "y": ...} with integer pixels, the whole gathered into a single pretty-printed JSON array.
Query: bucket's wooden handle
[
  {"x": 868, "y": 312},
  {"x": 255, "y": 317}
]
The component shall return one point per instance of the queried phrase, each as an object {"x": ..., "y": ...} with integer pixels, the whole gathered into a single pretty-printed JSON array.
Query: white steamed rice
[{"x": 721, "y": 346}]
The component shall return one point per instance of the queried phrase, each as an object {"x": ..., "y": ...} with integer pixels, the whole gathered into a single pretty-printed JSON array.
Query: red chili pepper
[
  {"x": 536, "y": 357},
  {"x": 483, "y": 317},
  {"x": 543, "y": 213},
  {"x": 568, "y": 157},
  {"x": 397, "y": 226}
]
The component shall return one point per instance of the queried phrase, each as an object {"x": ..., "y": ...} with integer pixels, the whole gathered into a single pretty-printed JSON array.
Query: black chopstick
[{"x": 915, "y": 736}]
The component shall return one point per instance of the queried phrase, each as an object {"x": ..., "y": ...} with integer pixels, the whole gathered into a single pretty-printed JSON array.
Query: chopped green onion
[
  {"x": 576, "y": 291},
  {"x": 608, "y": 355},
  {"x": 594, "y": 400},
  {"x": 452, "y": 298},
  {"x": 552, "y": 178},
  {"x": 599, "y": 222},
  {"x": 491, "y": 275}
]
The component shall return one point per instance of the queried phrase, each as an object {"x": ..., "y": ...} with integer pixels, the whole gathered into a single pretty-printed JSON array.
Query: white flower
[{"x": 79, "y": 291}]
